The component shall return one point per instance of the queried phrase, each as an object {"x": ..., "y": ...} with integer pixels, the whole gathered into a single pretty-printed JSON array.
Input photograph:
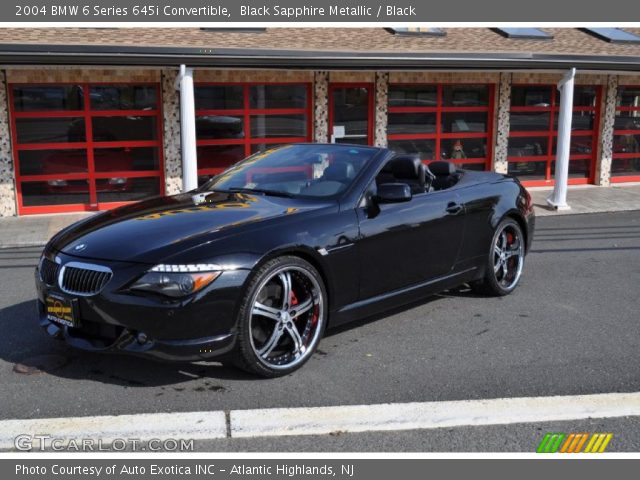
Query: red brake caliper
[{"x": 510, "y": 239}]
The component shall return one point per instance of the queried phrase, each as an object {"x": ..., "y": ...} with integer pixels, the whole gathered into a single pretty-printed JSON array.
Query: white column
[
  {"x": 558, "y": 198},
  {"x": 188, "y": 130}
]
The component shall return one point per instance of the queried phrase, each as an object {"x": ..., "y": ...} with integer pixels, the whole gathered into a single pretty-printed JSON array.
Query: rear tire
[
  {"x": 282, "y": 317},
  {"x": 505, "y": 260}
]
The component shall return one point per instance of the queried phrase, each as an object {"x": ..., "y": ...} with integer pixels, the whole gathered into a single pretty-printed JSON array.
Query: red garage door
[
  {"x": 80, "y": 147},
  {"x": 626, "y": 137},
  {"x": 450, "y": 122},
  {"x": 235, "y": 120},
  {"x": 534, "y": 132}
]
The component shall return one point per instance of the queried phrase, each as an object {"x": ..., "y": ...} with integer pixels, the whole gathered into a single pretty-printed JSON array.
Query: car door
[{"x": 402, "y": 244}]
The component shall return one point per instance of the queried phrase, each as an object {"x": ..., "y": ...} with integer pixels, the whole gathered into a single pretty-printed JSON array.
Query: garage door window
[
  {"x": 447, "y": 122},
  {"x": 85, "y": 146},
  {"x": 626, "y": 137},
  {"x": 534, "y": 133},
  {"x": 234, "y": 120}
]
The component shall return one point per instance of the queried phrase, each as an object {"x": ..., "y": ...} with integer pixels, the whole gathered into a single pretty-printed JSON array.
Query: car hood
[{"x": 157, "y": 228}]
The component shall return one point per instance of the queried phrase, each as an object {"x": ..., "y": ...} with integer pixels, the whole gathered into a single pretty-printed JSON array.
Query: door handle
[{"x": 454, "y": 208}]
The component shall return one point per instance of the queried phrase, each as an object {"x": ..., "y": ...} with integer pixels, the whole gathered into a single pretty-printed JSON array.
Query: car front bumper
[{"x": 198, "y": 327}]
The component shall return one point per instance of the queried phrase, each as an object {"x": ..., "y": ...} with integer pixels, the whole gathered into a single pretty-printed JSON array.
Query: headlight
[{"x": 177, "y": 280}]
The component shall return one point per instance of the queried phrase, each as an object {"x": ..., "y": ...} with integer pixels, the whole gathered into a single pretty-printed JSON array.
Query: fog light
[{"x": 142, "y": 338}]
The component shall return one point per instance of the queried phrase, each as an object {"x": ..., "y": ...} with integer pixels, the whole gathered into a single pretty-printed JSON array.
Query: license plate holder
[{"x": 61, "y": 310}]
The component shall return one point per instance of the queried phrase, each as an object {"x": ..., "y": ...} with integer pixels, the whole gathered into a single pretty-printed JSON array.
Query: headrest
[
  {"x": 406, "y": 166},
  {"x": 339, "y": 172},
  {"x": 442, "y": 168}
]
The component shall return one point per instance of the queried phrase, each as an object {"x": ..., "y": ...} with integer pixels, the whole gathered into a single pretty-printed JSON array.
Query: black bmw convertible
[{"x": 254, "y": 265}]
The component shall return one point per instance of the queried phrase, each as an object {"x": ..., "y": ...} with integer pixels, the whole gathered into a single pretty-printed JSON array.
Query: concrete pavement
[
  {"x": 590, "y": 199},
  {"x": 35, "y": 230}
]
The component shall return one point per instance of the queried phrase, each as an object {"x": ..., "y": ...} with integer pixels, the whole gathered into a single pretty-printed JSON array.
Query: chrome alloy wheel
[
  {"x": 286, "y": 316},
  {"x": 508, "y": 256}
]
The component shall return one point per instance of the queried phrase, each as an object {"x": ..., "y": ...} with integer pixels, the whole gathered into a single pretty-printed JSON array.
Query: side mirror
[{"x": 393, "y": 193}]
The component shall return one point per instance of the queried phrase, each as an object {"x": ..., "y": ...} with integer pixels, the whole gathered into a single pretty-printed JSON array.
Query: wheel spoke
[
  {"x": 295, "y": 336},
  {"x": 497, "y": 265},
  {"x": 270, "y": 344},
  {"x": 285, "y": 278},
  {"x": 265, "y": 311},
  {"x": 505, "y": 270},
  {"x": 302, "y": 308},
  {"x": 497, "y": 250},
  {"x": 512, "y": 253}
]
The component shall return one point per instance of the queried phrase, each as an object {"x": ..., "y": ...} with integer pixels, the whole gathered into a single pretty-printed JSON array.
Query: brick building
[{"x": 90, "y": 117}]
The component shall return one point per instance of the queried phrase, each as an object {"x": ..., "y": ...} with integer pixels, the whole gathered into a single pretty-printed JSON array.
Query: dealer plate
[{"x": 61, "y": 310}]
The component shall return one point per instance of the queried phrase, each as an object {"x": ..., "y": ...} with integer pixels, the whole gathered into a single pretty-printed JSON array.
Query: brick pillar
[
  {"x": 380, "y": 117},
  {"x": 321, "y": 107},
  {"x": 607, "y": 120},
  {"x": 500, "y": 164},
  {"x": 7, "y": 174},
  {"x": 171, "y": 140}
]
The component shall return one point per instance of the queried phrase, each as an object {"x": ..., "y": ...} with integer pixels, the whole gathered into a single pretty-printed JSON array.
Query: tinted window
[
  {"x": 51, "y": 162},
  {"x": 219, "y": 97},
  {"x": 628, "y": 97},
  {"x": 413, "y": 95},
  {"x": 47, "y": 98},
  {"x": 55, "y": 192},
  {"x": 465, "y": 95},
  {"x": 455, "y": 122},
  {"x": 426, "y": 149},
  {"x": 278, "y": 96},
  {"x": 112, "y": 129},
  {"x": 530, "y": 96},
  {"x": 126, "y": 158},
  {"x": 50, "y": 130},
  {"x": 123, "y": 97},
  {"x": 265, "y": 126},
  {"x": 411, "y": 123},
  {"x": 219, "y": 126}
]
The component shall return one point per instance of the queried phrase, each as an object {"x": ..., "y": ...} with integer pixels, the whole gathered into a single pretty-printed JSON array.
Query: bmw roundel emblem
[{"x": 80, "y": 247}]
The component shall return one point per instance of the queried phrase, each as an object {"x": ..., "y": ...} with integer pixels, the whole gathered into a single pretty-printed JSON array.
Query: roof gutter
[{"x": 265, "y": 58}]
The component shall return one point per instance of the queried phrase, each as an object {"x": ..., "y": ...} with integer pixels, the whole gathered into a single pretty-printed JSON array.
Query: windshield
[{"x": 309, "y": 170}]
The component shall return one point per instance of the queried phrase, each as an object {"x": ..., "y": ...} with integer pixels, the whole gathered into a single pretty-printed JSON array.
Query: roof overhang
[{"x": 32, "y": 54}]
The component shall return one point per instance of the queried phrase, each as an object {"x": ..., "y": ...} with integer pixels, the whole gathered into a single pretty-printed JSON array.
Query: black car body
[{"x": 371, "y": 255}]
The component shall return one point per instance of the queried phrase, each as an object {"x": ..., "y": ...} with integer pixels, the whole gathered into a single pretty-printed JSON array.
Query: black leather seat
[
  {"x": 339, "y": 172},
  {"x": 386, "y": 174},
  {"x": 409, "y": 169},
  {"x": 444, "y": 173}
]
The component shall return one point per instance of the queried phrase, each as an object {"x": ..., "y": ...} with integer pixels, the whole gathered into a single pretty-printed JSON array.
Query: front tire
[
  {"x": 505, "y": 260},
  {"x": 282, "y": 317}
]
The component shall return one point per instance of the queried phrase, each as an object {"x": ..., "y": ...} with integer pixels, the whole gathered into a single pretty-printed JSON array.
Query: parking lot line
[
  {"x": 323, "y": 420},
  {"x": 144, "y": 427},
  {"x": 410, "y": 416}
]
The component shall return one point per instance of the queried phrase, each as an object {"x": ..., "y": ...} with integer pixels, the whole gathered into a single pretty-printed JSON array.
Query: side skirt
[{"x": 397, "y": 298}]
